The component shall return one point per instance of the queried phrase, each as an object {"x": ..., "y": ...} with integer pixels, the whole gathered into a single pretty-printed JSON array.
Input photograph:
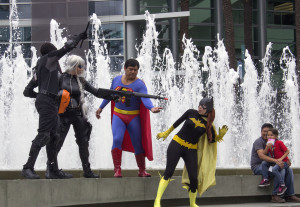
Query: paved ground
[{"x": 163, "y": 204}]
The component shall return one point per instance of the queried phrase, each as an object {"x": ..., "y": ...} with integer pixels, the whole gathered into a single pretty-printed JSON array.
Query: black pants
[
  {"x": 47, "y": 132},
  {"x": 174, "y": 152},
  {"x": 82, "y": 130}
]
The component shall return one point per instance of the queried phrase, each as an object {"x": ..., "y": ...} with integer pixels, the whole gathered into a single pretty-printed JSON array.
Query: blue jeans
[
  {"x": 277, "y": 171},
  {"x": 289, "y": 178}
]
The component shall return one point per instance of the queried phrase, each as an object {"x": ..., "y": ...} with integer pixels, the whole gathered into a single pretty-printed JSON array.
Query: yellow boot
[
  {"x": 160, "y": 191},
  {"x": 193, "y": 197}
]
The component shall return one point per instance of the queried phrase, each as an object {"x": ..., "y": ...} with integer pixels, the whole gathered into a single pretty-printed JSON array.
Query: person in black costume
[
  {"x": 75, "y": 114},
  {"x": 185, "y": 145},
  {"x": 46, "y": 79}
]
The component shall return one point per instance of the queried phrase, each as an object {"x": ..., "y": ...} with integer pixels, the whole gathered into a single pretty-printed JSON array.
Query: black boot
[
  {"x": 88, "y": 172},
  {"x": 52, "y": 172},
  {"x": 29, "y": 173}
]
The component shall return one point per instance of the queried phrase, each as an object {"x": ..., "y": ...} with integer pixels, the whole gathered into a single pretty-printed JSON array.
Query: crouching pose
[
  {"x": 195, "y": 139},
  {"x": 72, "y": 84}
]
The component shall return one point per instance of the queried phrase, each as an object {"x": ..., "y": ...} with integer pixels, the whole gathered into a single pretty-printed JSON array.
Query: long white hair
[{"x": 73, "y": 62}]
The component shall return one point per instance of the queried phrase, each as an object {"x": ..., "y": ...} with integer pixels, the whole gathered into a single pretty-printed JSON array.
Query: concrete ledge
[{"x": 76, "y": 191}]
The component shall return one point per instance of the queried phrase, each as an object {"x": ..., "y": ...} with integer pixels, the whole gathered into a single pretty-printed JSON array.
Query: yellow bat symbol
[{"x": 197, "y": 123}]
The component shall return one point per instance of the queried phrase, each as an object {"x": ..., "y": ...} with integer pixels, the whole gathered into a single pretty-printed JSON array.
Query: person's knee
[
  {"x": 42, "y": 139},
  {"x": 117, "y": 142},
  {"x": 82, "y": 141}
]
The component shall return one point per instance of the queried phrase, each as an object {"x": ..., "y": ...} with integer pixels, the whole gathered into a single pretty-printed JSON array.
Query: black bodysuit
[
  {"x": 193, "y": 128},
  {"x": 47, "y": 70},
  {"x": 74, "y": 115}
]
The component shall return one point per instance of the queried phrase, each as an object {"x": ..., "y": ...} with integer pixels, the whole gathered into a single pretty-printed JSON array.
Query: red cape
[{"x": 146, "y": 132}]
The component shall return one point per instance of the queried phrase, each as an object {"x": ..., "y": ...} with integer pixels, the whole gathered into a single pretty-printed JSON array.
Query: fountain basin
[{"x": 231, "y": 183}]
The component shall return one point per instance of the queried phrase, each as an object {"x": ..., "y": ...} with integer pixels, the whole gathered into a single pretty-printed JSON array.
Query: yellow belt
[
  {"x": 120, "y": 111},
  {"x": 184, "y": 143}
]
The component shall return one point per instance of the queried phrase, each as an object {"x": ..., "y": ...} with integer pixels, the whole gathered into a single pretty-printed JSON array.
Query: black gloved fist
[{"x": 116, "y": 98}]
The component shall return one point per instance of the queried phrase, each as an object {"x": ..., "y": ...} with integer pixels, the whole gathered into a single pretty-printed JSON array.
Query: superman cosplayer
[{"x": 131, "y": 124}]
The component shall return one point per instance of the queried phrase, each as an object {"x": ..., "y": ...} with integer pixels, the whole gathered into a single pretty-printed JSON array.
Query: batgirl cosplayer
[{"x": 196, "y": 139}]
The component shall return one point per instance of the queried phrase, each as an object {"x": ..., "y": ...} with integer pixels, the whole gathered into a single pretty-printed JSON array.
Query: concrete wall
[{"x": 14, "y": 193}]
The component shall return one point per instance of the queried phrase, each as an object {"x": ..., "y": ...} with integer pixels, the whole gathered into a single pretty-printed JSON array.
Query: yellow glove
[
  {"x": 222, "y": 132},
  {"x": 164, "y": 134}
]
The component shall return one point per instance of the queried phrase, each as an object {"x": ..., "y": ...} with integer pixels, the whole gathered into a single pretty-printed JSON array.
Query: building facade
[{"x": 123, "y": 24}]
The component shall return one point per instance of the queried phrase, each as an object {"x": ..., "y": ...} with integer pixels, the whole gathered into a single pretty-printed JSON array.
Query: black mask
[{"x": 207, "y": 103}]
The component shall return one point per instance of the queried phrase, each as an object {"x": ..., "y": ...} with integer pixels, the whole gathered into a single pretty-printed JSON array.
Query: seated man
[{"x": 258, "y": 160}]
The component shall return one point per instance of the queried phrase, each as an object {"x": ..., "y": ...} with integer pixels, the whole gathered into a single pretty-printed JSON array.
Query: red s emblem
[{"x": 119, "y": 88}]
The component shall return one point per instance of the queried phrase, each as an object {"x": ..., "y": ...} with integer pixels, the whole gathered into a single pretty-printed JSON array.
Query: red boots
[
  {"x": 140, "y": 160},
  {"x": 117, "y": 157}
]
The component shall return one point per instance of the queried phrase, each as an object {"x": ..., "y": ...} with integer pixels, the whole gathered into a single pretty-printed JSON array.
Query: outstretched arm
[
  {"x": 100, "y": 93},
  {"x": 166, "y": 133}
]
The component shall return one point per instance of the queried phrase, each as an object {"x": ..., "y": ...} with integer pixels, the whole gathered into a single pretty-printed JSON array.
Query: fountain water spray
[{"x": 244, "y": 108}]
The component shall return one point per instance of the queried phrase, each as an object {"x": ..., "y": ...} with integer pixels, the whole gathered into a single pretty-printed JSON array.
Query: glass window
[
  {"x": 116, "y": 63},
  {"x": 4, "y": 11},
  {"x": 25, "y": 34},
  {"x": 254, "y": 17},
  {"x": 5, "y": 34},
  {"x": 24, "y": 11},
  {"x": 106, "y": 8},
  {"x": 145, "y": 3},
  {"x": 3, "y": 48},
  {"x": 280, "y": 35},
  {"x": 163, "y": 44},
  {"x": 200, "y": 16},
  {"x": 115, "y": 47},
  {"x": 201, "y": 32},
  {"x": 4, "y": 1},
  {"x": 281, "y": 18},
  {"x": 238, "y": 16},
  {"x": 163, "y": 31},
  {"x": 280, "y": 12},
  {"x": 26, "y": 49},
  {"x": 239, "y": 33},
  {"x": 111, "y": 31},
  {"x": 202, "y": 44},
  {"x": 153, "y": 6},
  {"x": 201, "y": 4},
  {"x": 23, "y": 1},
  {"x": 154, "y": 10},
  {"x": 237, "y": 4}
]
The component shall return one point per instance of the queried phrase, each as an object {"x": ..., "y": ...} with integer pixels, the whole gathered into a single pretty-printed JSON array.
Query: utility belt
[
  {"x": 120, "y": 111},
  {"x": 185, "y": 143},
  {"x": 52, "y": 95}
]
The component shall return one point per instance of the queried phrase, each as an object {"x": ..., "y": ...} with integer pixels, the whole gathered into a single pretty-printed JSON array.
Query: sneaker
[
  {"x": 264, "y": 183},
  {"x": 281, "y": 189}
]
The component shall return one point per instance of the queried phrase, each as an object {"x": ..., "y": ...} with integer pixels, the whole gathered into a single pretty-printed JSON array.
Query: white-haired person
[{"x": 72, "y": 111}]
